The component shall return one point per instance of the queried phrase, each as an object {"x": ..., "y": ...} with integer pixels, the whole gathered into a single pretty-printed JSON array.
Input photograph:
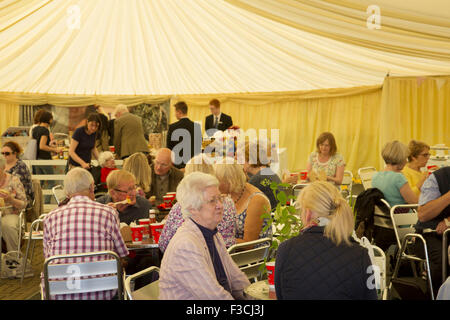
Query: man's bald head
[{"x": 163, "y": 161}]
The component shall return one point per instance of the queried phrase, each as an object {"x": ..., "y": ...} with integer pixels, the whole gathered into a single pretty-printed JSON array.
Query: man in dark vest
[{"x": 433, "y": 213}]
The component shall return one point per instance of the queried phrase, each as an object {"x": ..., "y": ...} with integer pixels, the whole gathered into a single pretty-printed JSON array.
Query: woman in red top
[{"x": 106, "y": 161}]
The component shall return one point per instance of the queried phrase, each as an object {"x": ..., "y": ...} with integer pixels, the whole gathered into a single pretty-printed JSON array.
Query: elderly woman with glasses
[
  {"x": 419, "y": 153},
  {"x": 122, "y": 195},
  {"x": 14, "y": 165},
  {"x": 226, "y": 227},
  {"x": 196, "y": 264},
  {"x": 12, "y": 200}
]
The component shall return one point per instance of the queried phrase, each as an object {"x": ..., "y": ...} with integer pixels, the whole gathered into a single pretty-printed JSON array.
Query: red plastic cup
[
  {"x": 304, "y": 175},
  {"x": 432, "y": 168},
  {"x": 156, "y": 229},
  {"x": 146, "y": 224},
  {"x": 112, "y": 149},
  {"x": 172, "y": 194},
  {"x": 137, "y": 234},
  {"x": 270, "y": 266}
]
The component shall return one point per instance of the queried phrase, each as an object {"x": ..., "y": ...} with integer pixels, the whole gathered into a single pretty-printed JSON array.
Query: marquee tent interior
[{"x": 368, "y": 71}]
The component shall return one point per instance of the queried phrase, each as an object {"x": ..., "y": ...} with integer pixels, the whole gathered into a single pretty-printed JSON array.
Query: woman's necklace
[{"x": 240, "y": 196}]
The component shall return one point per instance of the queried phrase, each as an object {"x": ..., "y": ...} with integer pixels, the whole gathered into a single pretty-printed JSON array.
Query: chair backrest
[
  {"x": 249, "y": 256},
  {"x": 70, "y": 278},
  {"x": 380, "y": 261},
  {"x": 403, "y": 217},
  {"x": 347, "y": 183},
  {"x": 381, "y": 218},
  {"x": 38, "y": 202},
  {"x": 148, "y": 292},
  {"x": 58, "y": 193},
  {"x": 366, "y": 174},
  {"x": 297, "y": 188}
]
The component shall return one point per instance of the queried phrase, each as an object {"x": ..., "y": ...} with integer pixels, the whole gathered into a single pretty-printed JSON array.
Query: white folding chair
[
  {"x": 347, "y": 183},
  {"x": 404, "y": 228},
  {"x": 249, "y": 256},
  {"x": 91, "y": 276},
  {"x": 366, "y": 174},
  {"x": 58, "y": 193},
  {"x": 148, "y": 292},
  {"x": 380, "y": 262},
  {"x": 35, "y": 233},
  {"x": 297, "y": 188}
]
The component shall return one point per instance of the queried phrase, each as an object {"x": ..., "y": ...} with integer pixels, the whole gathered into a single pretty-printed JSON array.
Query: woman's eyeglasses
[
  {"x": 6, "y": 153},
  {"x": 126, "y": 191},
  {"x": 214, "y": 200}
]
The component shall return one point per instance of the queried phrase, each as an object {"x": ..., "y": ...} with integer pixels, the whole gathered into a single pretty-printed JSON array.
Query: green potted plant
[{"x": 283, "y": 219}]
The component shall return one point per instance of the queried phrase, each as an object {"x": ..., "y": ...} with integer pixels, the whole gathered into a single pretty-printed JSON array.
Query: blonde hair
[
  {"x": 190, "y": 191},
  {"x": 199, "y": 163},
  {"x": 138, "y": 165},
  {"x": 231, "y": 173},
  {"x": 324, "y": 199},
  {"x": 105, "y": 156},
  {"x": 118, "y": 176},
  {"x": 394, "y": 153}
]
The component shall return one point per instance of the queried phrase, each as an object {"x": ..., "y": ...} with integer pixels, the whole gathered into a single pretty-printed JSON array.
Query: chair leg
[
  {"x": 26, "y": 258},
  {"x": 427, "y": 262}
]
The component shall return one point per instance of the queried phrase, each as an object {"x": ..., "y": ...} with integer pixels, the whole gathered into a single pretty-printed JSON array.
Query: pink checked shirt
[{"x": 83, "y": 226}]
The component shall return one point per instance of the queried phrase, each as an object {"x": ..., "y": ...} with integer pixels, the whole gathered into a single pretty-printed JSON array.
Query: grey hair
[
  {"x": 77, "y": 180},
  {"x": 190, "y": 191},
  {"x": 2, "y": 161},
  {"x": 105, "y": 156},
  {"x": 120, "y": 108}
]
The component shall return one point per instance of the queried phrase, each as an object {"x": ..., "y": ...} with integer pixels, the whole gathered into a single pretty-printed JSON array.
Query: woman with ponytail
[{"x": 323, "y": 262}]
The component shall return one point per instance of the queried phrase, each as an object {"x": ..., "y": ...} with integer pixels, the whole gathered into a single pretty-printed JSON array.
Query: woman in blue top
[
  {"x": 83, "y": 143},
  {"x": 391, "y": 181}
]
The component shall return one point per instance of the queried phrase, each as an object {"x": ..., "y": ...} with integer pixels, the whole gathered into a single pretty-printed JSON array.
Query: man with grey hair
[
  {"x": 82, "y": 225},
  {"x": 128, "y": 133}
]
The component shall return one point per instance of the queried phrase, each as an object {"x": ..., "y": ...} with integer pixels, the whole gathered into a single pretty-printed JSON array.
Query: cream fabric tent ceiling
[{"x": 175, "y": 47}]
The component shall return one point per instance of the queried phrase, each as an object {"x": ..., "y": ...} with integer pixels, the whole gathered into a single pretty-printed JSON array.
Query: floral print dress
[{"x": 175, "y": 219}]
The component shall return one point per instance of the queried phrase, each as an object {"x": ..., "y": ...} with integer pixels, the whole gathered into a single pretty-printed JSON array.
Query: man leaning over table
[
  {"x": 80, "y": 226},
  {"x": 122, "y": 186},
  {"x": 433, "y": 213}
]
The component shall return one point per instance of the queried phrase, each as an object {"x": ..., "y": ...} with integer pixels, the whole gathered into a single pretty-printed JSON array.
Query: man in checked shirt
[{"x": 82, "y": 225}]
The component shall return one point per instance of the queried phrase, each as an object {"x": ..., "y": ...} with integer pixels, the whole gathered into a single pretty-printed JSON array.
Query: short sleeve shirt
[
  {"x": 86, "y": 143},
  {"x": 329, "y": 167},
  {"x": 389, "y": 183},
  {"x": 38, "y": 133}
]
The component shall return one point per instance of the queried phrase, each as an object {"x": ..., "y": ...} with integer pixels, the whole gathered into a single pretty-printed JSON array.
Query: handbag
[
  {"x": 30, "y": 152},
  {"x": 12, "y": 265}
]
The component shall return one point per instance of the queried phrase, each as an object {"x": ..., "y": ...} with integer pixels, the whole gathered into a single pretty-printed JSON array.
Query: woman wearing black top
[
  {"x": 42, "y": 135},
  {"x": 83, "y": 143}
]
